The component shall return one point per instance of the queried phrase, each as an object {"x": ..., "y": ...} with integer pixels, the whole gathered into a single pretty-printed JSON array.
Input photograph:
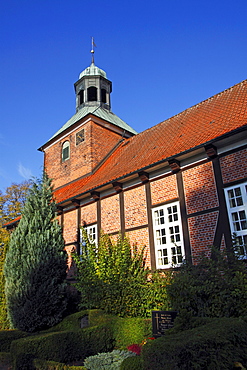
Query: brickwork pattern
[
  {"x": 110, "y": 214},
  {"x": 140, "y": 238},
  {"x": 202, "y": 230},
  {"x": 164, "y": 190},
  {"x": 89, "y": 213},
  {"x": 200, "y": 188},
  {"x": 234, "y": 166},
  {"x": 83, "y": 157},
  {"x": 135, "y": 207},
  {"x": 69, "y": 227}
]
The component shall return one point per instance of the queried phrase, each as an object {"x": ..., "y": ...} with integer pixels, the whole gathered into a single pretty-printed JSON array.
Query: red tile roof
[
  {"x": 215, "y": 117},
  {"x": 11, "y": 223}
]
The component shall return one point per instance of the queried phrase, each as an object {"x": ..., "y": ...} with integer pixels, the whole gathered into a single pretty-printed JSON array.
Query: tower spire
[{"x": 92, "y": 50}]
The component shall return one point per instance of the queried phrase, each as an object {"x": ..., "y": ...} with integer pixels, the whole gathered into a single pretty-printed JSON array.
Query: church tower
[{"x": 84, "y": 142}]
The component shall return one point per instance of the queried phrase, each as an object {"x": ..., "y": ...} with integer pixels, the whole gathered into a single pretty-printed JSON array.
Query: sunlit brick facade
[{"x": 178, "y": 188}]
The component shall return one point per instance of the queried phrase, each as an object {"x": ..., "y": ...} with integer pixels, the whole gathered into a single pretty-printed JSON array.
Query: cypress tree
[{"x": 35, "y": 265}]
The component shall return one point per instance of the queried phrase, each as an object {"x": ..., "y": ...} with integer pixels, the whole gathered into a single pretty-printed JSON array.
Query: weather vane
[{"x": 92, "y": 50}]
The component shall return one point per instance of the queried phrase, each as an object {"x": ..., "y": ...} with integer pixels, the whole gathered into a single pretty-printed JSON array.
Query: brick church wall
[
  {"x": 234, "y": 166},
  {"x": 140, "y": 237},
  {"x": 202, "y": 230},
  {"x": 135, "y": 207},
  {"x": 110, "y": 214},
  {"x": 164, "y": 189},
  {"x": 200, "y": 188},
  {"x": 83, "y": 157},
  {"x": 70, "y": 227},
  {"x": 89, "y": 214}
]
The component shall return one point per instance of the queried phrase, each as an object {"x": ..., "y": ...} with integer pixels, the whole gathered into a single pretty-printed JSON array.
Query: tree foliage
[
  {"x": 215, "y": 287},
  {"x": 12, "y": 202},
  {"x": 35, "y": 265},
  {"x": 113, "y": 277},
  {"x": 4, "y": 322}
]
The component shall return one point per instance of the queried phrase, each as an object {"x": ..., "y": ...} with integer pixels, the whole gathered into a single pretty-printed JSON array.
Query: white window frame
[
  {"x": 92, "y": 232},
  {"x": 65, "y": 148},
  {"x": 236, "y": 201},
  {"x": 168, "y": 235}
]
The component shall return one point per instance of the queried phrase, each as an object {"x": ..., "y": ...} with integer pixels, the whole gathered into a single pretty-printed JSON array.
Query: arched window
[
  {"x": 103, "y": 95},
  {"x": 92, "y": 93},
  {"x": 65, "y": 151},
  {"x": 81, "y": 97}
]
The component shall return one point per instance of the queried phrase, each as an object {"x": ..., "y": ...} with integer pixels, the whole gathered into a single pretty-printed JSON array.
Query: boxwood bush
[
  {"x": 133, "y": 363},
  {"x": 7, "y": 337},
  {"x": 67, "y": 342},
  {"x": 62, "y": 347},
  {"x": 214, "y": 346},
  {"x": 53, "y": 365}
]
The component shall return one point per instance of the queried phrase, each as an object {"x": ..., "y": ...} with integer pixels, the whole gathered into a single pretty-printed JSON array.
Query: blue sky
[{"x": 161, "y": 56}]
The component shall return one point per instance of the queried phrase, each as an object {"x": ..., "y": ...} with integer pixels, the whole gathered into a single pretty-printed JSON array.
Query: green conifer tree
[{"x": 35, "y": 265}]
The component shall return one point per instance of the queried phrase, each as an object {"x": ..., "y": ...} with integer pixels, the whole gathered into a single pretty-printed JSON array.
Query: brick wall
[
  {"x": 202, "y": 229},
  {"x": 70, "y": 227},
  {"x": 110, "y": 214},
  {"x": 89, "y": 213},
  {"x": 164, "y": 189},
  {"x": 234, "y": 166},
  {"x": 140, "y": 238},
  {"x": 135, "y": 207},
  {"x": 200, "y": 188},
  {"x": 83, "y": 157}
]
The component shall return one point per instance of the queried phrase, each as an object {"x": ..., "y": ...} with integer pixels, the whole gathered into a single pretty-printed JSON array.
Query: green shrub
[
  {"x": 52, "y": 365},
  {"x": 110, "y": 361},
  {"x": 213, "y": 346},
  {"x": 8, "y": 336},
  {"x": 5, "y": 359},
  {"x": 68, "y": 342},
  {"x": 132, "y": 363},
  {"x": 113, "y": 277},
  {"x": 62, "y": 347},
  {"x": 127, "y": 331},
  {"x": 215, "y": 287}
]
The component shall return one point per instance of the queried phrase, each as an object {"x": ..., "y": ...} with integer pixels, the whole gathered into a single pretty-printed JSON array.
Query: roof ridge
[
  {"x": 206, "y": 100},
  {"x": 193, "y": 107}
]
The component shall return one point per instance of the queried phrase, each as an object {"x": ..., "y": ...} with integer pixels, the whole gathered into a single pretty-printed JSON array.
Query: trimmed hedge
[
  {"x": 62, "y": 347},
  {"x": 133, "y": 363},
  {"x": 52, "y": 365},
  {"x": 213, "y": 346},
  {"x": 8, "y": 336},
  {"x": 67, "y": 342}
]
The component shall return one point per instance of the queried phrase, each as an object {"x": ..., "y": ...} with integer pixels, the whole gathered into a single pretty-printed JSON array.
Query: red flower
[{"x": 136, "y": 348}]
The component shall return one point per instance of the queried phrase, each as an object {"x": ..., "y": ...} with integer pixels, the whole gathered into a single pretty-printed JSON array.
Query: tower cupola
[{"x": 93, "y": 89}]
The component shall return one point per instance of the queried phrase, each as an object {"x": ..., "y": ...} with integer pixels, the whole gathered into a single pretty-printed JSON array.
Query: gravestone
[
  {"x": 162, "y": 321},
  {"x": 84, "y": 322}
]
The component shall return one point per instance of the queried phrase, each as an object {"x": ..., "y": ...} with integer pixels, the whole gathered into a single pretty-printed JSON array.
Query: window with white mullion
[
  {"x": 236, "y": 198},
  {"x": 92, "y": 234},
  {"x": 168, "y": 237}
]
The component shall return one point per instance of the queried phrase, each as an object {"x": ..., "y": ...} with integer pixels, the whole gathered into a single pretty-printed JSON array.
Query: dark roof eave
[{"x": 228, "y": 134}]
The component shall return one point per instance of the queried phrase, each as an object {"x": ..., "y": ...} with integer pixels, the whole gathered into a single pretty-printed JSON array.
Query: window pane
[{"x": 237, "y": 192}]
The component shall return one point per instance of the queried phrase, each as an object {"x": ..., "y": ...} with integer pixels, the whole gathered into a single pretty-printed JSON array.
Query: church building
[{"x": 179, "y": 187}]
